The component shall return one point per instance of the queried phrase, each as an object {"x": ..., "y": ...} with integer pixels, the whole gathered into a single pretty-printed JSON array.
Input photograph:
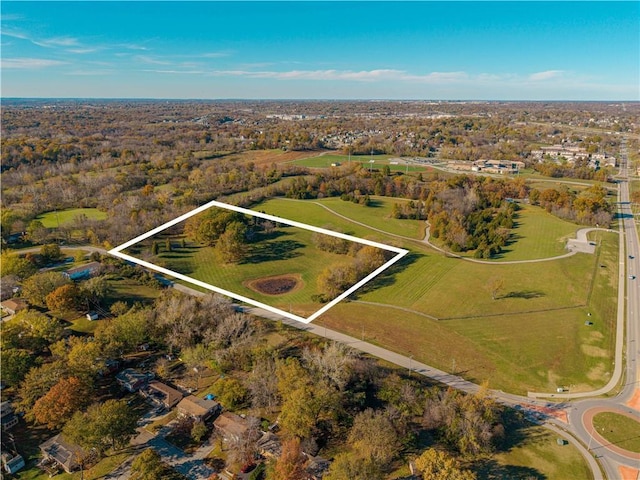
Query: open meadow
[
  {"x": 65, "y": 217},
  {"x": 442, "y": 310},
  {"x": 519, "y": 325},
  {"x": 379, "y": 162},
  {"x": 280, "y": 268}
]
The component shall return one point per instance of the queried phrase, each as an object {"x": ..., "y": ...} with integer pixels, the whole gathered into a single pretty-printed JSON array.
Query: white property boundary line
[{"x": 117, "y": 251}]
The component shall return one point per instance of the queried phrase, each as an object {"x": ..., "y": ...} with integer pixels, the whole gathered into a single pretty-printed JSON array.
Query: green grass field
[
  {"x": 289, "y": 251},
  {"x": 618, "y": 429},
  {"x": 539, "y": 456},
  {"x": 532, "y": 337},
  {"x": 310, "y": 213},
  {"x": 328, "y": 211},
  {"x": 326, "y": 161},
  {"x": 64, "y": 217},
  {"x": 537, "y": 234},
  {"x": 130, "y": 291}
]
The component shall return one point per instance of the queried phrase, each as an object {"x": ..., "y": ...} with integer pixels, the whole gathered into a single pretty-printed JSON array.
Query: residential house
[
  {"x": 7, "y": 417},
  {"x": 12, "y": 463},
  {"x": 269, "y": 445},
  {"x": 161, "y": 394},
  {"x": 65, "y": 454},
  {"x": 317, "y": 467},
  {"x": 14, "y": 305},
  {"x": 231, "y": 426},
  {"x": 200, "y": 409},
  {"x": 83, "y": 271},
  {"x": 132, "y": 380},
  {"x": 9, "y": 286}
]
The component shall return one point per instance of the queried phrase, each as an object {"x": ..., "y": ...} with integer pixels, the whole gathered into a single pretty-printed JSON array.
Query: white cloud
[
  {"x": 131, "y": 46},
  {"x": 30, "y": 63},
  {"x": 97, "y": 72},
  {"x": 177, "y": 72},
  {"x": 214, "y": 55},
  {"x": 382, "y": 74},
  {"x": 14, "y": 34},
  {"x": 82, "y": 50},
  {"x": 546, "y": 75},
  {"x": 11, "y": 16},
  {"x": 58, "y": 42},
  {"x": 439, "y": 77},
  {"x": 150, "y": 60}
]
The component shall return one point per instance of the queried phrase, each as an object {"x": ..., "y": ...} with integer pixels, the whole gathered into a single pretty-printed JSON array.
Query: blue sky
[{"x": 324, "y": 50}]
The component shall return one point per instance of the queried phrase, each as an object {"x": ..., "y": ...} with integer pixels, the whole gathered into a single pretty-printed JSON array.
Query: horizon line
[{"x": 310, "y": 99}]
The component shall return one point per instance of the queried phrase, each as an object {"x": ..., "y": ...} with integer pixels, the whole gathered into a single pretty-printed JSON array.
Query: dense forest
[{"x": 144, "y": 163}]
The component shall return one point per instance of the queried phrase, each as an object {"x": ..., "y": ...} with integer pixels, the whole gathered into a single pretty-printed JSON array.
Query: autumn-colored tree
[
  {"x": 104, "y": 425},
  {"x": 36, "y": 330},
  {"x": 61, "y": 402},
  {"x": 231, "y": 245},
  {"x": 81, "y": 355},
  {"x": 335, "y": 279},
  {"x": 50, "y": 253},
  {"x": 125, "y": 332},
  {"x": 291, "y": 463},
  {"x": 37, "y": 383},
  {"x": 230, "y": 392},
  {"x": 374, "y": 436},
  {"x": 147, "y": 466},
  {"x": 94, "y": 290},
  {"x": 13, "y": 264},
  {"x": 349, "y": 466},
  {"x": 37, "y": 232},
  {"x": 36, "y": 288},
  {"x": 198, "y": 431},
  {"x": 16, "y": 362},
  {"x": 63, "y": 298},
  {"x": 434, "y": 464}
]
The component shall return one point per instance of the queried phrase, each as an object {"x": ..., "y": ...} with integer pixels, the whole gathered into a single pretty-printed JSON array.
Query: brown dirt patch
[{"x": 276, "y": 285}]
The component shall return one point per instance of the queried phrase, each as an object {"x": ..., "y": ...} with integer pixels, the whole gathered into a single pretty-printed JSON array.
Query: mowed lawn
[
  {"x": 290, "y": 251},
  {"x": 539, "y": 456},
  {"x": 379, "y": 162},
  {"x": 537, "y": 234},
  {"x": 370, "y": 219},
  {"x": 64, "y": 217},
  {"x": 620, "y": 430},
  {"x": 531, "y": 337}
]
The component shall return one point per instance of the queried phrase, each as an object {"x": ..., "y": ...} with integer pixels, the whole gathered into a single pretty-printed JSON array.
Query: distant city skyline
[{"x": 322, "y": 50}]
